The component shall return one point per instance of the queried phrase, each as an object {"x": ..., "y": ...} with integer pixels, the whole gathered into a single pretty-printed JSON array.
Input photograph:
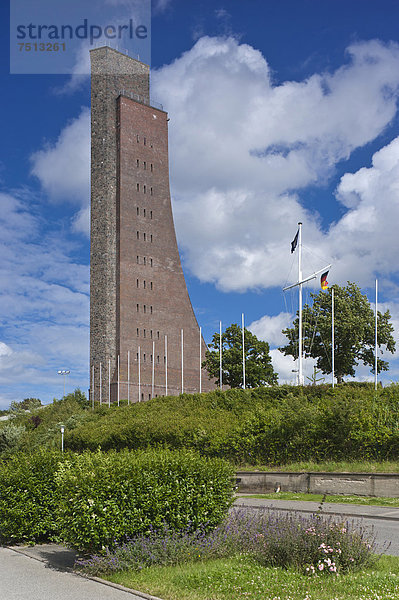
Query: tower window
[
  {"x": 144, "y": 189},
  {"x": 151, "y": 309},
  {"x": 151, "y": 213},
  {"x": 145, "y": 308},
  {"x": 137, "y": 163},
  {"x": 145, "y": 141},
  {"x": 151, "y": 191},
  {"x": 137, "y": 355},
  {"x": 151, "y": 333},
  {"x": 150, "y": 262},
  {"x": 144, "y": 236},
  {"x": 151, "y": 357},
  {"x": 138, "y": 211},
  {"x": 144, "y": 212},
  {"x": 137, "y": 282},
  {"x": 152, "y": 167},
  {"x": 158, "y": 359},
  {"x": 138, "y": 187},
  {"x": 143, "y": 284},
  {"x": 144, "y": 335},
  {"x": 138, "y": 235},
  {"x": 144, "y": 357},
  {"x": 138, "y": 307},
  {"x": 138, "y": 332},
  {"x": 137, "y": 260},
  {"x": 145, "y": 166},
  {"x": 144, "y": 260},
  {"x": 137, "y": 138},
  {"x": 151, "y": 285},
  {"x": 151, "y": 238}
]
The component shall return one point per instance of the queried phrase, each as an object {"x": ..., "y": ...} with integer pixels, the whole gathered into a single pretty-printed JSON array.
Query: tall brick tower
[{"x": 144, "y": 337}]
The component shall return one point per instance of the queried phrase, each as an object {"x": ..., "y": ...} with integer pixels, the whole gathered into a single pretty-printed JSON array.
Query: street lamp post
[
  {"x": 62, "y": 438},
  {"x": 63, "y": 372}
]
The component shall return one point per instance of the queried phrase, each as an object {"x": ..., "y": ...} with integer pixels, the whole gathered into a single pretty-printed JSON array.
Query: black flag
[{"x": 294, "y": 242}]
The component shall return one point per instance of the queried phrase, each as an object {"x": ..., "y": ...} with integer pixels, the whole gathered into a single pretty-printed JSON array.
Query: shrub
[
  {"x": 10, "y": 435},
  {"x": 310, "y": 544},
  {"x": 28, "y": 497},
  {"x": 265, "y": 425},
  {"x": 105, "y": 498}
]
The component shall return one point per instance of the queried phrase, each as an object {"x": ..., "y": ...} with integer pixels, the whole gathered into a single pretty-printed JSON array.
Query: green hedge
[
  {"x": 28, "y": 497},
  {"x": 275, "y": 425},
  {"x": 92, "y": 500},
  {"x": 107, "y": 497}
]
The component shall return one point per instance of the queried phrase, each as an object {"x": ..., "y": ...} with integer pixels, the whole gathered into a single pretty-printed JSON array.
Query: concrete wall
[{"x": 362, "y": 484}]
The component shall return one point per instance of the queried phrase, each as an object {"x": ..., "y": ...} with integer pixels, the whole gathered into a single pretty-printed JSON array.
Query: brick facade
[{"x": 138, "y": 292}]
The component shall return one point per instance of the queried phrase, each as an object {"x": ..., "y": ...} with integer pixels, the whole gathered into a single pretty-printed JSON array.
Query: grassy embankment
[{"x": 350, "y": 428}]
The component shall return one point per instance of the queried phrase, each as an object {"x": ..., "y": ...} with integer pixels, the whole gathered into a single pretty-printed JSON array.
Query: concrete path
[
  {"x": 329, "y": 508},
  {"x": 43, "y": 573}
]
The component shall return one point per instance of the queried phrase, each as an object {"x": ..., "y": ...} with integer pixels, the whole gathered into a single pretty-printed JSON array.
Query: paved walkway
[
  {"x": 43, "y": 573},
  {"x": 329, "y": 508}
]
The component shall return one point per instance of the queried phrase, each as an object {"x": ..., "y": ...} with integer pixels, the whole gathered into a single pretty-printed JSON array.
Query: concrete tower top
[{"x": 108, "y": 61}]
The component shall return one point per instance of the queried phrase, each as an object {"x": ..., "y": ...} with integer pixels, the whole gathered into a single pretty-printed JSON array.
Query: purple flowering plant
[{"x": 313, "y": 545}]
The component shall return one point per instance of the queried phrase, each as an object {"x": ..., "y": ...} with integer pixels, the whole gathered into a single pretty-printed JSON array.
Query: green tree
[
  {"x": 354, "y": 332},
  {"x": 26, "y": 404},
  {"x": 258, "y": 363}
]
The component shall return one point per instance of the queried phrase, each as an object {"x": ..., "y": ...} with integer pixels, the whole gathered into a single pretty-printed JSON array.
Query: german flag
[{"x": 323, "y": 281}]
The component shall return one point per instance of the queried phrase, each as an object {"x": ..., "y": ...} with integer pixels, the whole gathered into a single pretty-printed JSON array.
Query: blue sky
[{"x": 280, "y": 110}]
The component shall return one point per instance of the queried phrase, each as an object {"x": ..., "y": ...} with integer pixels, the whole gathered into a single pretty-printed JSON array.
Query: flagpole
[
  {"x": 166, "y": 365},
  {"x": 220, "y": 356},
  {"x": 243, "y": 351},
  {"x": 182, "y": 362},
  {"x": 139, "y": 365},
  {"x": 109, "y": 383},
  {"x": 153, "y": 370},
  {"x": 332, "y": 336},
  {"x": 200, "y": 360},
  {"x": 128, "y": 377},
  {"x": 300, "y": 368},
  {"x": 92, "y": 395},
  {"x": 297, "y": 241},
  {"x": 101, "y": 389},
  {"x": 118, "y": 380},
  {"x": 376, "y": 335}
]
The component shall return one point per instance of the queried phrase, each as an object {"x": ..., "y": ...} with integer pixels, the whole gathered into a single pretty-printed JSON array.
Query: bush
[
  {"x": 28, "y": 497},
  {"x": 105, "y": 498},
  {"x": 310, "y": 544},
  {"x": 272, "y": 426},
  {"x": 10, "y": 435}
]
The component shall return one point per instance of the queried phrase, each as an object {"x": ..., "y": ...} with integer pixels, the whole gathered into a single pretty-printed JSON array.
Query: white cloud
[
  {"x": 63, "y": 167},
  {"x": 160, "y": 6},
  {"x": 44, "y": 303},
  {"x": 366, "y": 240},
  {"x": 270, "y": 329},
  {"x": 243, "y": 148},
  {"x": 80, "y": 75}
]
